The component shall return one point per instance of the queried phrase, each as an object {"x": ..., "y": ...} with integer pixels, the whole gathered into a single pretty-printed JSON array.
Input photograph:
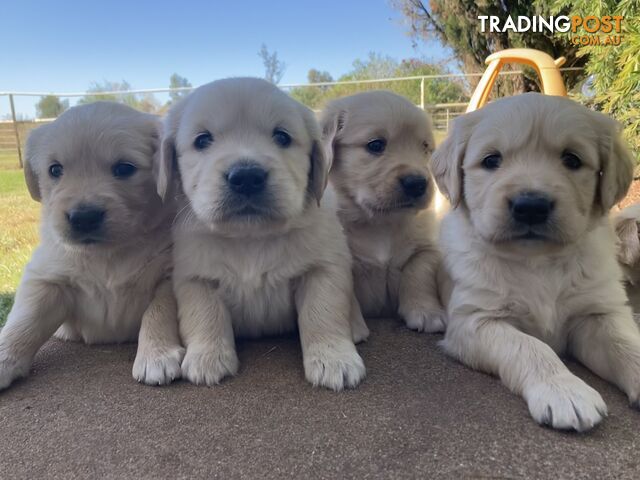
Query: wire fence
[{"x": 15, "y": 129}]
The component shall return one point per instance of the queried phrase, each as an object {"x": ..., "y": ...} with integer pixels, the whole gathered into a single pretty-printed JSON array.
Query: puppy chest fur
[
  {"x": 377, "y": 266},
  {"x": 109, "y": 296},
  {"x": 257, "y": 277},
  {"x": 539, "y": 295},
  {"x": 381, "y": 252},
  {"x": 257, "y": 290}
]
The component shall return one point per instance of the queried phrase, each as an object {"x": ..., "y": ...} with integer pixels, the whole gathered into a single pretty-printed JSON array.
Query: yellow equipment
[{"x": 547, "y": 68}]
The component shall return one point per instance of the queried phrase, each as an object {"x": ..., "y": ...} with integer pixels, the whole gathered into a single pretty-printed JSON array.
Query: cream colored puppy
[
  {"x": 254, "y": 253},
  {"x": 381, "y": 146},
  {"x": 530, "y": 250},
  {"x": 628, "y": 232},
  {"x": 102, "y": 267}
]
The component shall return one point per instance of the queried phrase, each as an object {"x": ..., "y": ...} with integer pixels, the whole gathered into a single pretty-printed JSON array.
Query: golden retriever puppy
[
  {"x": 628, "y": 234},
  {"x": 102, "y": 267},
  {"x": 255, "y": 254},
  {"x": 530, "y": 251},
  {"x": 381, "y": 146}
]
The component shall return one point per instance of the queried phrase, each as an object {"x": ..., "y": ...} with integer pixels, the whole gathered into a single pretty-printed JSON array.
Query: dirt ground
[{"x": 418, "y": 414}]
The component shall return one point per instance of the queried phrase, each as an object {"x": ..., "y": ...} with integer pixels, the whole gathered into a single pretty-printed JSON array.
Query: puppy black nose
[
  {"x": 413, "y": 185},
  {"x": 531, "y": 208},
  {"x": 86, "y": 218},
  {"x": 247, "y": 179}
]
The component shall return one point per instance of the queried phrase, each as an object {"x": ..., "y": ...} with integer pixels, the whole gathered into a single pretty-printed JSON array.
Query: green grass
[
  {"x": 9, "y": 161},
  {"x": 18, "y": 230}
]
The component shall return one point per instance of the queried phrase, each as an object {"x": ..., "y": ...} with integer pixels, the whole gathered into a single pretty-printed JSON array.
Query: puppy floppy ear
[
  {"x": 446, "y": 161},
  {"x": 616, "y": 164},
  {"x": 331, "y": 123},
  {"x": 319, "y": 173},
  {"x": 319, "y": 159},
  {"x": 32, "y": 153},
  {"x": 165, "y": 163},
  {"x": 163, "y": 166}
]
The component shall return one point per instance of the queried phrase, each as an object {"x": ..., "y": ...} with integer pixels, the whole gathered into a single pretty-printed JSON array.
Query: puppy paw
[
  {"x": 208, "y": 366},
  {"x": 158, "y": 365},
  {"x": 359, "y": 330},
  {"x": 430, "y": 321},
  {"x": 12, "y": 368},
  {"x": 566, "y": 402},
  {"x": 67, "y": 333},
  {"x": 335, "y": 366},
  {"x": 633, "y": 392}
]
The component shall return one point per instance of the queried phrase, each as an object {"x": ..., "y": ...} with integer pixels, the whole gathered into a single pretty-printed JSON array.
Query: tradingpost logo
[{"x": 588, "y": 30}]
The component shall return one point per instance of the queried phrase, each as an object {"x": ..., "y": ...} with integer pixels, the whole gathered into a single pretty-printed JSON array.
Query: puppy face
[
  {"x": 533, "y": 168},
  {"x": 93, "y": 170},
  {"x": 381, "y": 145},
  {"x": 248, "y": 154}
]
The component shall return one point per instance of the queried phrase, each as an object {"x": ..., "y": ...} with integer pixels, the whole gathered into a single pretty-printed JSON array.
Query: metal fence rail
[{"x": 13, "y": 132}]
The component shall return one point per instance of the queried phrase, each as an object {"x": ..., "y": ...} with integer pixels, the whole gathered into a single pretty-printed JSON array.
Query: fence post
[
  {"x": 15, "y": 128},
  {"x": 447, "y": 120},
  {"x": 422, "y": 93}
]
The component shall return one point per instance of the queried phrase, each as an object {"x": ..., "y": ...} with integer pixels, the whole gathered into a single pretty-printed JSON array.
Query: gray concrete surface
[{"x": 417, "y": 415}]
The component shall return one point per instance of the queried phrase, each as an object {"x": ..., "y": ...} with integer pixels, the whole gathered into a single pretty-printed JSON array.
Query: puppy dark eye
[
  {"x": 203, "y": 140},
  {"x": 492, "y": 162},
  {"x": 55, "y": 170},
  {"x": 426, "y": 147},
  {"x": 377, "y": 146},
  {"x": 281, "y": 138},
  {"x": 123, "y": 169},
  {"x": 571, "y": 161}
]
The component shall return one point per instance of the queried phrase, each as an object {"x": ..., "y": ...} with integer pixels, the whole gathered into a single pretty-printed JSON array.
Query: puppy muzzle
[
  {"x": 413, "y": 186},
  {"x": 247, "y": 191},
  {"x": 530, "y": 213},
  {"x": 86, "y": 223}
]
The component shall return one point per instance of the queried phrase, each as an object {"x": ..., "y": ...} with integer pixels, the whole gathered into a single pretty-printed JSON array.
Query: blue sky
[{"x": 63, "y": 46}]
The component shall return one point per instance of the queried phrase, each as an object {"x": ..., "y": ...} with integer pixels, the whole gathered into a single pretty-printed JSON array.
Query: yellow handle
[{"x": 545, "y": 66}]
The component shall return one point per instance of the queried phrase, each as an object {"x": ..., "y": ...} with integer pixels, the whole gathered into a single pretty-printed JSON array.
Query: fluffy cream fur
[
  {"x": 521, "y": 296},
  {"x": 251, "y": 267},
  {"x": 99, "y": 287},
  {"x": 392, "y": 235}
]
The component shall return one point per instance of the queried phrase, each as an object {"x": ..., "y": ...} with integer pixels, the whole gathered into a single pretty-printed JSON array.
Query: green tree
[
  {"x": 94, "y": 93},
  {"x": 317, "y": 76},
  {"x": 376, "y": 66},
  {"x": 273, "y": 67},
  {"x": 50, "y": 106},
  {"x": 177, "y": 81},
  {"x": 441, "y": 90},
  {"x": 110, "y": 91},
  {"x": 313, "y": 96},
  {"x": 147, "y": 102},
  {"x": 455, "y": 23},
  {"x": 615, "y": 70},
  {"x": 436, "y": 90}
]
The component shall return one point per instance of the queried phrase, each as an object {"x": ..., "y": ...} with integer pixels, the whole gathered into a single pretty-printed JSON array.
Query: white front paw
[
  {"x": 209, "y": 364},
  {"x": 158, "y": 365},
  {"x": 359, "y": 329},
  {"x": 430, "y": 321},
  {"x": 12, "y": 368},
  {"x": 565, "y": 402},
  {"x": 334, "y": 365}
]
